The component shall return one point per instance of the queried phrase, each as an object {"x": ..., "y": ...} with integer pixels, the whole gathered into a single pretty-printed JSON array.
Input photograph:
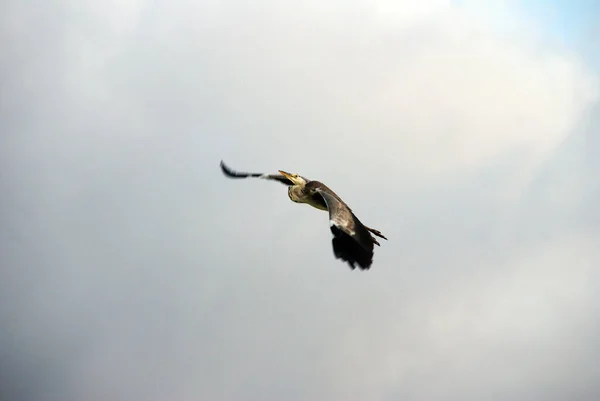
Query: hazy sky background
[{"x": 467, "y": 132}]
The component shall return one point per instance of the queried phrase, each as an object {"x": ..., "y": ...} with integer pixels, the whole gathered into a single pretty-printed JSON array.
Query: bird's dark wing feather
[
  {"x": 234, "y": 174},
  {"x": 351, "y": 241}
]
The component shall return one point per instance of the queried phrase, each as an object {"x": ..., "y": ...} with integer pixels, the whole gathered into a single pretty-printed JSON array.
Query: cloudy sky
[{"x": 131, "y": 269}]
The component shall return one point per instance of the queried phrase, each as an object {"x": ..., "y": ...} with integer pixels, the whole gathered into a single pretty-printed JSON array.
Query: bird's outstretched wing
[
  {"x": 352, "y": 241},
  {"x": 235, "y": 174}
]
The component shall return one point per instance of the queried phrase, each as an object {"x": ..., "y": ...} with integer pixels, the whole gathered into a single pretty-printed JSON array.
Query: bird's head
[{"x": 294, "y": 178}]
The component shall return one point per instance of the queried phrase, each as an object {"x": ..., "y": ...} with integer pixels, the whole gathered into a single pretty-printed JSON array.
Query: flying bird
[{"x": 352, "y": 241}]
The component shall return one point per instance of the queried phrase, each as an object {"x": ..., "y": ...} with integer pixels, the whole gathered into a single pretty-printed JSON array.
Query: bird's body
[
  {"x": 352, "y": 241},
  {"x": 302, "y": 194}
]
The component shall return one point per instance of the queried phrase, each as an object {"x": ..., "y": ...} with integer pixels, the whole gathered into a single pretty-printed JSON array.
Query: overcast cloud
[{"x": 131, "y": 269}]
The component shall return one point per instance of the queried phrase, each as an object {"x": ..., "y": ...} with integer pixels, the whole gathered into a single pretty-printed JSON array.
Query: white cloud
[
  {"x": 445, "y": 93},
  {"x": 395, "y": 14},
  {"x": 441, "y": 126}
]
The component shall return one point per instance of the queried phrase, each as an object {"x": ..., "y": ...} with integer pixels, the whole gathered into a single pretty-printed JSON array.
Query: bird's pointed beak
[
  {"x": 288, "y": 176},
  {"x": 285, "y": 174}
]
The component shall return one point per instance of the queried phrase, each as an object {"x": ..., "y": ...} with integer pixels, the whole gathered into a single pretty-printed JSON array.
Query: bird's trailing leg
[{"x": 377, "y": 233}]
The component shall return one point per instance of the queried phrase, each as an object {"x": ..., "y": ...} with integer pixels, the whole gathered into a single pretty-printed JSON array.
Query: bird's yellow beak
[
  {"x": 290, "y": 177},
  {"x": 286, "y": 175}
]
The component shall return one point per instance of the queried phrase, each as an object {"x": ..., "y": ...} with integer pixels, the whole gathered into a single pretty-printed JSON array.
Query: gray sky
[{"x": 131, "y": 269}]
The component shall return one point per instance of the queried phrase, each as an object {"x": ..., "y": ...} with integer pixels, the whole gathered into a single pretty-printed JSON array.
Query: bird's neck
[{"x": 296, "y": 193}]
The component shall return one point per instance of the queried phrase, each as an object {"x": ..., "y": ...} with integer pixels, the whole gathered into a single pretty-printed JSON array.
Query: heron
[{"x": 353, "y": 242}]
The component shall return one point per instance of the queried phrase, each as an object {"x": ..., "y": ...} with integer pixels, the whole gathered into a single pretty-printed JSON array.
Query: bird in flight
[{"x": 352, "y": 241}]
